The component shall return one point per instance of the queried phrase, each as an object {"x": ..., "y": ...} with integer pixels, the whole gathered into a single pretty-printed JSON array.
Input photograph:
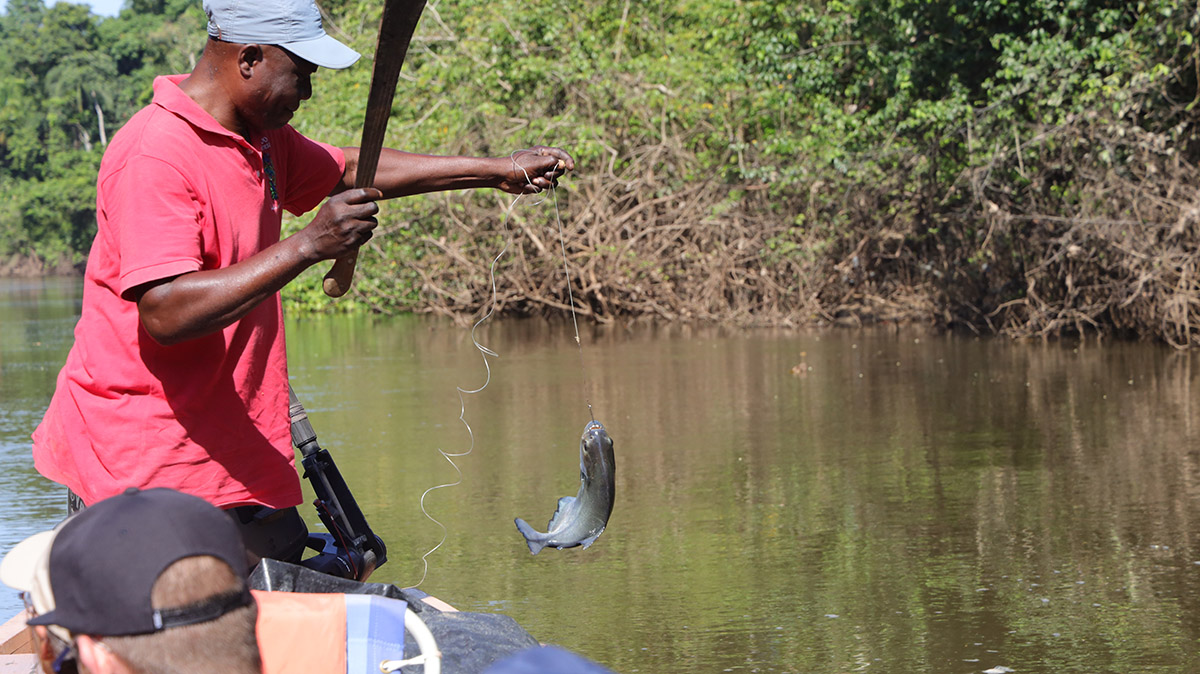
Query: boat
[
  {"x": 17, "y": 654},
  {"x": 17, "y": 648}
]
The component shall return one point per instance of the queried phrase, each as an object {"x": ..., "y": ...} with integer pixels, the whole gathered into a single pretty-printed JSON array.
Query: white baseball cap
[
  {"x": 294, "y": 25},
  {"x": 27, "y": 568}
]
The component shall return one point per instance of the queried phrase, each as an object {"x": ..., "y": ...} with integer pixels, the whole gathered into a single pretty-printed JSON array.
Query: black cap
[{"x": 104, "y": 561}]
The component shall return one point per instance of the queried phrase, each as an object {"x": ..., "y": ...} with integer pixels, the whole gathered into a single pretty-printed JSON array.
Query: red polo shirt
[{"x": 178, "y": 193}]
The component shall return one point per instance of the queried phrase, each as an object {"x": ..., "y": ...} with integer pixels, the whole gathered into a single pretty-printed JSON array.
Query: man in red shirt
[{"x": 178, "y": 374}]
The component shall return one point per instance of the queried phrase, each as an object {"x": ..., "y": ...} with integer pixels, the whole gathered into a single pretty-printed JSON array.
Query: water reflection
[
  {"x": 36, "y": 319},
  {"x": 786, "y": 501}
]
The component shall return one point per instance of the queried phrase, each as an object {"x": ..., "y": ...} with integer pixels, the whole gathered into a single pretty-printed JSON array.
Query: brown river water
[{"x": 828, "y": 501}]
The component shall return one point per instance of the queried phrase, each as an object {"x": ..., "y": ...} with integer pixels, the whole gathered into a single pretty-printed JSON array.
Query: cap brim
[
  {"x": 323, "y": 51},
  {"x": 27, "y": 568},
  {"x": 21, "y": 564}
]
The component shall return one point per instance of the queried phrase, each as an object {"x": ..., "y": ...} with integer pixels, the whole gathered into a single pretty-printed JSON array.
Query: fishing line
[
  {"x": 571, "y": 300},
  {"x": 484, "y": 352}
]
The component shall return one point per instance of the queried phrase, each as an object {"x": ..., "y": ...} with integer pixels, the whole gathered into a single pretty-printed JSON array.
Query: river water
[{"x": 828, "y": 501}]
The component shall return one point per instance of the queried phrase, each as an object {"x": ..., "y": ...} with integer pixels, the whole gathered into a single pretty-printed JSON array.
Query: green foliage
[
  {"x": 68, "y": 80},
  {"x": 890, "y": 128}
]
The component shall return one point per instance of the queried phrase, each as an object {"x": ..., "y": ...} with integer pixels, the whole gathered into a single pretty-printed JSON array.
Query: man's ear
[
  {"x": 249, "y": 56},
  {"x": 97, "y": 658}
]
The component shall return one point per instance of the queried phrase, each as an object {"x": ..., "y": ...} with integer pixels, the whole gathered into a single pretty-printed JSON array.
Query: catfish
[{"x": 580, "y": 519}]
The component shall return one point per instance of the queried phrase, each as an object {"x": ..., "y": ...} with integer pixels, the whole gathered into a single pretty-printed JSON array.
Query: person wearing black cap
[
  {"x": 178, "y": 375},
  {"x": 148, "y": 582},
  {"x": 153, "y": 582}
]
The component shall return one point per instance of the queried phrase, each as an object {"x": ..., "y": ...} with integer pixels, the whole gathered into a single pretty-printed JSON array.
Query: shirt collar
[{"x": 171, "y": 98}]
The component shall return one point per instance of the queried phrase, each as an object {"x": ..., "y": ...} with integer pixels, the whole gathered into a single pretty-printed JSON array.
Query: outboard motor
[{"x": 349, "y": 549}]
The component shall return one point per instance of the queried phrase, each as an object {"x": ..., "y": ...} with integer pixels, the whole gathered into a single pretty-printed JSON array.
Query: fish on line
[{"x": 580, "y": 519}]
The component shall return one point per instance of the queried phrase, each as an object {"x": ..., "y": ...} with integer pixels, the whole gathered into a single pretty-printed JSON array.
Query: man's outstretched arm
[
  {"x": 199, "y": 303},
  {"x": 402, "y": 174}
]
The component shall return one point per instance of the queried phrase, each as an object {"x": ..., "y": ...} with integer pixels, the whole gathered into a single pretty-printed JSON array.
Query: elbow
[
  {"x": 162, "y": 312},
  {"x": 160, "y": 332},
  {"x": 158, "y": 320}
]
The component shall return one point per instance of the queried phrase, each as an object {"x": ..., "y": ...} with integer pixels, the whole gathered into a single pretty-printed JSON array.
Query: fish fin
[
  {"x": 564, "y": 504},
  {"x": 587, "y": 542},
  {"x": 534, "y": 539}
]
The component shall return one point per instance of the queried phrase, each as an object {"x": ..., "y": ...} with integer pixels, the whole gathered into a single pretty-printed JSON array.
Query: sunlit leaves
[{"x": 69, "y": 79}]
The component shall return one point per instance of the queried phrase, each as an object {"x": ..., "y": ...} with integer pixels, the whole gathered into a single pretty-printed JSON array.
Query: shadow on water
[{"x": 786, "y": 501}]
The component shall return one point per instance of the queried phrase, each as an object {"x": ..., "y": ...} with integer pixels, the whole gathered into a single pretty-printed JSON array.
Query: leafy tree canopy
[{"x": 881, "y": 150}]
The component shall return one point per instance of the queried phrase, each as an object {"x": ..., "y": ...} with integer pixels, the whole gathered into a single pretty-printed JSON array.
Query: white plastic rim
[
  {"x": 425, "y": 641},
  {"x": 430, "y": 656}
]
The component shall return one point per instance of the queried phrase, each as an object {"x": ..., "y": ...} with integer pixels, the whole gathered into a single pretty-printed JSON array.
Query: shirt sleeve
[
  {"x": 157, "y": 221},
  {"x": 312, "y": 169}
]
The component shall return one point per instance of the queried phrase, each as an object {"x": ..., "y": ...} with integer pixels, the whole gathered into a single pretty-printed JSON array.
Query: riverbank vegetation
[{"x": 1022, "y": 168}]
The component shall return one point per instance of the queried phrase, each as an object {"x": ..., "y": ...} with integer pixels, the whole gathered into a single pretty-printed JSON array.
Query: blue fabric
[
  {"x": 545, "y": 660},
  {"x": 374, "y": 631}
]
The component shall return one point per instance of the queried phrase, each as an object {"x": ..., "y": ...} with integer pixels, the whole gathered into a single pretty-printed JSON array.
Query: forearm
[
  {"x": 401, "y": 174},
  {"x": 199, "y": 303},
  {"x": 204, "y": 302}
]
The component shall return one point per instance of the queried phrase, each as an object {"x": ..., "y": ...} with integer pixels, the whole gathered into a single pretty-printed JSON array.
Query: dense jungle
[{"x": 1015, "y": 167}]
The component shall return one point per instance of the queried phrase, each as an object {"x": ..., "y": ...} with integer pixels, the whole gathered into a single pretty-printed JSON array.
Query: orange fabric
[{"x": 299, "y": 632}]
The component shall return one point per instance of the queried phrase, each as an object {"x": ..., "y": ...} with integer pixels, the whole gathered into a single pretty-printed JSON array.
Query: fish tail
[{"x": 535, "y": 540}]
